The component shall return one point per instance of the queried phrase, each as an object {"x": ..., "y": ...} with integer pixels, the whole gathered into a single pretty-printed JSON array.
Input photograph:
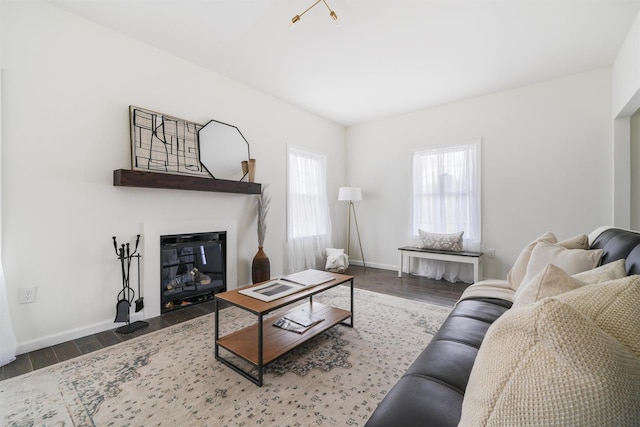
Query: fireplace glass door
[{"x": 193, "y": 268}]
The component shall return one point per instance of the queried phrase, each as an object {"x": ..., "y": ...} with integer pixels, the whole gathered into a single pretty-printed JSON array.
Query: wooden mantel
[{"x": 130, "y": 178}]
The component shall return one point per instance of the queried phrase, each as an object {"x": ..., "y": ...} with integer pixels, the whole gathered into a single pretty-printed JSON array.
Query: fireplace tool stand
[{"x": 127, "y": 294}]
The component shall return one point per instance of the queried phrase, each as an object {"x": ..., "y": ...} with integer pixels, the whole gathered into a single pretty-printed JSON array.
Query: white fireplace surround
[{"x": 151, "y": 232}]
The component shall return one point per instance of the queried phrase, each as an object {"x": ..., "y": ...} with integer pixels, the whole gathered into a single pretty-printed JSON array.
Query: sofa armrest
[{"x": 490, "y": 288}]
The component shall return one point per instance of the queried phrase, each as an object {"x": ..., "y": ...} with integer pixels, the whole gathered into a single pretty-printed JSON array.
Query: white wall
[
  {"x": 635, "y": 171},
  {"x": 67, "y": 87},
  {"x": 626, "y": 74},
  {"x": 546, "y": 165},
  {"x": 626, "y": 102}
]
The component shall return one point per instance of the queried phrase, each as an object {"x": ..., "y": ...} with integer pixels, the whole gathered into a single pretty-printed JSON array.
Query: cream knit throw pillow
[
  {"x": 549, "y": 282},
  {"x": 572, "y": 261},
  {"x": 569, "y": 360},
  {"x": 519, "y": 268},
  {"x": 518, "y": 271},
  {"x": 553, "y": 281}
]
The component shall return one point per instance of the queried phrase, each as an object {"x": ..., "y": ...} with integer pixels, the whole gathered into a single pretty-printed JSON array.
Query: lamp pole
[{"x": 355, "y": 218}]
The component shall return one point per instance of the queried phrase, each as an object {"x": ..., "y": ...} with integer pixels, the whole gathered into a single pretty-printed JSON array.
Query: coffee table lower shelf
[{"x": 276, "y": 341}]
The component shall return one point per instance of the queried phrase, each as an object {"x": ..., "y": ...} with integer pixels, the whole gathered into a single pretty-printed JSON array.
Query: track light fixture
[{"x": 332, "y": 14}]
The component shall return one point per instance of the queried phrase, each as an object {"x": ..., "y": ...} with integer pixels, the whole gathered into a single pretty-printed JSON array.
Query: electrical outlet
[
  {"x": 28, "y": 295},
  {"x": 491, "y": 253}
]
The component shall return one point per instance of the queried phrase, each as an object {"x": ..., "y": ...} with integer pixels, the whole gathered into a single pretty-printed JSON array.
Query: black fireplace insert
[{"x": 193, "y": 268}]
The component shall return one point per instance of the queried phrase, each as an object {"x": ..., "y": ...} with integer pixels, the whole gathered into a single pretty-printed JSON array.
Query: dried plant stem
[{"x": 263, "y": 207}]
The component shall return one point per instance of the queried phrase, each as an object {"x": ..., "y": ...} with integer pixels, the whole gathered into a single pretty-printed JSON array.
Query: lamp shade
[{"x": 349, "y": 193}]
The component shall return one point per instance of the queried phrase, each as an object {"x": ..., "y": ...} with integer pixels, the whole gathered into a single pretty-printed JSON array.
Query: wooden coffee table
[{"x": 262, "y": 343}]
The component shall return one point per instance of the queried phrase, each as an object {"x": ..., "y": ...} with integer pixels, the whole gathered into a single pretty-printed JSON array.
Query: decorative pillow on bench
[{"x": 447, "y": 242}]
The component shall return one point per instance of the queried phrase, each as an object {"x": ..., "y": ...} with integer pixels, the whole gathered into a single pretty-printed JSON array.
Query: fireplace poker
[{"x": 140, "y": 300}]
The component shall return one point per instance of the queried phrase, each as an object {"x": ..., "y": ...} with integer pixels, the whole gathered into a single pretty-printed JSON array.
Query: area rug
[{"x": 171, "y": 377}]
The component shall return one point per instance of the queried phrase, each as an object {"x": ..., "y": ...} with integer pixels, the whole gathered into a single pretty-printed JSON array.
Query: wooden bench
[{"x": 466, "y": 257}]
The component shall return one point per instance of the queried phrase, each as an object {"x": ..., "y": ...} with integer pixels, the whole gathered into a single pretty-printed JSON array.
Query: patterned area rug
[{"x": 170, "y": 377}]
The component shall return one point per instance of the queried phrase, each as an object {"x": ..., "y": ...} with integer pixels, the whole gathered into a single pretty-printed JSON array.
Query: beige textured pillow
[
  {"x": 519, "y": 268},
  {"x": 610, "y": 271},
  {"x": 570, "y": 260},
  {"x": 554, "y": 281},
  {"x": 613, "y": 306},
  {"x": 570, "y": 360},
  {"x": 551, "y": 281},
  {"x": 581, "y": 241}
]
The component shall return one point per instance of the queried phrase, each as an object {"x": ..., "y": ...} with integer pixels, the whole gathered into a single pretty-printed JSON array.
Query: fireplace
[
  {"x": 192, "y": 268},
  {"x": 151, "y": 262}
]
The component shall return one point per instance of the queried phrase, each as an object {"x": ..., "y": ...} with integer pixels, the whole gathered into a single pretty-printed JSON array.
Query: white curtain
[
  {"x": 8, "y": 343},
  {"x": 446, "y": 199},
  {"x": 308, "y": 220}
]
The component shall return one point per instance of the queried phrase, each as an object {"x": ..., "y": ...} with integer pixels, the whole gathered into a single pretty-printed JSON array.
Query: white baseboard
[
  {"x": 72, "y": 334},
  {"x": 374, "y": 265}
]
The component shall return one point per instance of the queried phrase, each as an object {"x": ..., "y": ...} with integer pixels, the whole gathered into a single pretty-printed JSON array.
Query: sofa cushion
[
  {"x": 447, "y": 242},
  {"x": 432, "y": 389},
  {"x": 519, "y": 269},
  {"x": 573, "y": 359},
  {"x": 415, "y": 402},
  {"x": 604, "y": 273},
  {"x": 549, "y": 282},
  {"x": 570, "y": 260},
  {"x": 553, "y": 281},
  {"x": 581, "y": 241}
]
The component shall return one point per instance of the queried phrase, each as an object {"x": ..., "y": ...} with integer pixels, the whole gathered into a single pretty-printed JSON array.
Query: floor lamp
[{"x": 352, "y": 194}]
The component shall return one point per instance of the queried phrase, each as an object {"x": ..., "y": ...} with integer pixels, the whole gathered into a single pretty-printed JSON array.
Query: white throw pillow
[
  {"x": 437, "y": 241},
  {"x": 334, "y": 251},
  {"x": 519, "y": 269},
  {"x": 570, "y": 260},
  {"x": 337, "y": 260},
  {"x": 581, "y": 241},
  {"x": 610, "y": 271},
  {"x": 551, "y": 281}
]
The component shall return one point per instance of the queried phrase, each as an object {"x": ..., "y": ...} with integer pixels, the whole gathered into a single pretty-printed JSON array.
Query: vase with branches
[{"x": 261, "y": 266}]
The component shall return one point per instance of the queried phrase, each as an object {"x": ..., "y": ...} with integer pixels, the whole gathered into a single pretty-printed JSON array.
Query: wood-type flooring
[{"x": 373, "y": 279}]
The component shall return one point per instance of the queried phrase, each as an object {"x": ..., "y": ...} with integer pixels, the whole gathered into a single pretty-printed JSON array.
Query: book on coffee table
[
  {"x": 309, "y": 277},
  {"x": 272, "y": 290},
  {"x": 298, "y": 321}
]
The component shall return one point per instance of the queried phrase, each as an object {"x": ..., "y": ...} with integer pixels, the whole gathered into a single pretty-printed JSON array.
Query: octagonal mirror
[{"x": 223, "y": 148}]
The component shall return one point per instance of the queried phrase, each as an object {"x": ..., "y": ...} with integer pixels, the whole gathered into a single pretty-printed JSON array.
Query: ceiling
[{"x": 386, "y": 57}]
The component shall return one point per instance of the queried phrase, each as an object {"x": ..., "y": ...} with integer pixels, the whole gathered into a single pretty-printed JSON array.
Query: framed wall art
[{"x": 166, "y": 144}]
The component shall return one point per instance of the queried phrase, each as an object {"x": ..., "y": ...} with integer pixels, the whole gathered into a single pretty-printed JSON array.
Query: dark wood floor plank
[
  {"x": 20, "y": 366},
  {"x": 88, "y": 344},
  {"x": 43, "y": 358},
  {"x": 108, "y": 338},
  {"x": 66, "y": 350}
]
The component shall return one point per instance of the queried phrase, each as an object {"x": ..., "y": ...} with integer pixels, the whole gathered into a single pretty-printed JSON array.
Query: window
[
  {"x": 308, "y": 220},
  {"x": 446, "y": 191}
]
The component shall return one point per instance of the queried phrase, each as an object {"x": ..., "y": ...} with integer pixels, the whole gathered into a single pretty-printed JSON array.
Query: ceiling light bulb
[
  {"x": 295, "y": 19},
  {"x": 333, "y": 15}
]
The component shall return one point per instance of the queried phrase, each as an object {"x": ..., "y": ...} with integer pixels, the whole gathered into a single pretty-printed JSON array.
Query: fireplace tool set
[{"x": 127, "y": 294}]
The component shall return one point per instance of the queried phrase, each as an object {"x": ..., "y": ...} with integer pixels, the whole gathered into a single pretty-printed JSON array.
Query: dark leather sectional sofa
[{"x": 432, "y": 390}]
